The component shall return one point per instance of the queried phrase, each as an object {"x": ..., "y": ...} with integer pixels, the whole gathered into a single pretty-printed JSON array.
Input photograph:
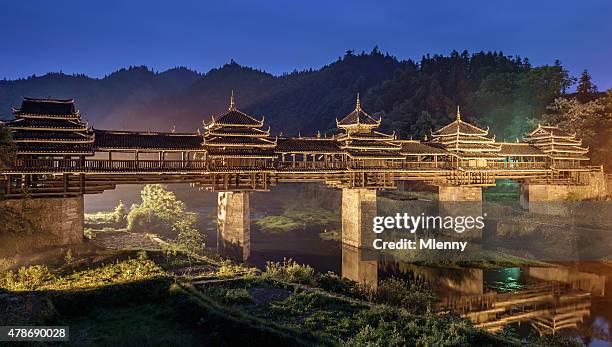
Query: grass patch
[
  {"x": 299, "y": 218},
  {"x": 278, "y": 224},
  {"x": 39, "y": 277}
]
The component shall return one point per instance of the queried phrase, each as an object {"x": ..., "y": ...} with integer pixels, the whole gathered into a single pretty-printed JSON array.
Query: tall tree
[
  {"x": 586, "y": 90},
  {"x": 591, "y": 121}
]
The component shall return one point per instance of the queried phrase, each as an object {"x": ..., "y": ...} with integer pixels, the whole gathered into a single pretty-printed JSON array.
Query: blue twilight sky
[{"x": 98, "y": 37}]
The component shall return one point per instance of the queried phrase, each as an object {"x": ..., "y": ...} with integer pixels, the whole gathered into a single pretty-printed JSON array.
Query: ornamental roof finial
[
  {"x": 358, "y": 105},
  {"x": 458, "y": 113},
  {"x": 232, "y": 106}
]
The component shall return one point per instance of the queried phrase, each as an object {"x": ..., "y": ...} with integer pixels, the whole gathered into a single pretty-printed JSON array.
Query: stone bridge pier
[
  {"x": 456, "y": 201},
  {"x": 556, "y": 199},
  {"x": 358, "y": 211},
  {"x": 234, "y": 225},
  {"x": 48, "y": 221},
  {"x": 461, "y": 201},
  {"x": 360, "y": 267}
]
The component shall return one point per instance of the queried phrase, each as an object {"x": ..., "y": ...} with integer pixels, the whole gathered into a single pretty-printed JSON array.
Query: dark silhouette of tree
[{"x": 586, "y": 90}]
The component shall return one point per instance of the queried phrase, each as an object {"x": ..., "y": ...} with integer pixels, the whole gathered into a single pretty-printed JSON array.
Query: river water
[{"x": 572, "y": 296}]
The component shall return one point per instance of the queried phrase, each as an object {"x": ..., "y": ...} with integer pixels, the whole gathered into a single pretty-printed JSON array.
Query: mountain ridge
[{"x": 411, "y": 97}]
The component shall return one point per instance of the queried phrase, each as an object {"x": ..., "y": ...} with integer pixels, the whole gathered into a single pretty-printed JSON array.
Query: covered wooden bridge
[
  {"x": 60, "y": 158},
  {"x": 59, "y": 154}
]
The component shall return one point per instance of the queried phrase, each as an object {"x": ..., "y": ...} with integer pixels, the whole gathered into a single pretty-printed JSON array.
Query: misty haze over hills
[{"x": 412, "y": 98}]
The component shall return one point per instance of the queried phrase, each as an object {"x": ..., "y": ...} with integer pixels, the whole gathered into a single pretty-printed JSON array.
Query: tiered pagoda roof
[
  {"x": 361, "y": 141},
  {"x": 466, "y": 140},
  {"x": 238, "y": 135},
  {"x": 50, "y": 127},
  {"x": 556, "y": 143}
]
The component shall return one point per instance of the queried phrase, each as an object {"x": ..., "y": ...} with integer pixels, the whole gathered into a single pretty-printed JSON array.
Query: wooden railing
[
  {"x": 407, "y": 165},
  {"x": 103, "y": 165},
  {"x": 257, "y": 165},
  {"x": 309, "y": 165},
  {"x": 509, "y": 165}
]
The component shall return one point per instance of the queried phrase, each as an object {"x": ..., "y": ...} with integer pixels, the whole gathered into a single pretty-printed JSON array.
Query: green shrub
[
  {"x": 385, "y": 334},
  {"x": 120, "y": 213},
  {"x": 391, "y": 327},
  {"x": 396, "y": 292},
  {"x": 142, "y": 255},
  {"x": 189, "y": 238},
  {"x": 290, "y": 271},
  {"x": 141, "y": 220},
  {"x": 231, "y": 270},
  {"x": 26, "y": 278},
  {"x": 162, "y": 213},
  {"x": 331, "y": 282},
  {"x": 88, "y": 233},
  {"x": 237, "y": 296}
]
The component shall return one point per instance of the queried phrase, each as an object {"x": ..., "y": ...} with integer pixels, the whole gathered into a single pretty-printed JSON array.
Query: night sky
[{"x": 98, "y": 37}]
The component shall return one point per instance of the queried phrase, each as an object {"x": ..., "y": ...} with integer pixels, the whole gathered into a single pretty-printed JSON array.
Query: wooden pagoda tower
[
  {"x": 562, "y": 148},
  {"x": 468, "y": 142},
  {"x": 235, "y": 140},
  {"x": 50, "y": 128},
  {"x": 364, "y": 146}
]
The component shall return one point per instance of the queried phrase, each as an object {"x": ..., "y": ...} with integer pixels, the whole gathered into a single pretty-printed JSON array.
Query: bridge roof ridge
[{"x": 141, "y": 132}]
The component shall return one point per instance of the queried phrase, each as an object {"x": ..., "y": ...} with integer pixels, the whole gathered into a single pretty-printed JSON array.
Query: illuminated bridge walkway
[{"x": 60, "y": 155}]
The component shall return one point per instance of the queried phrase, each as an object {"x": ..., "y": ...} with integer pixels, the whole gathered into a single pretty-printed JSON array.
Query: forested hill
[{"x": 412, "y": 97}]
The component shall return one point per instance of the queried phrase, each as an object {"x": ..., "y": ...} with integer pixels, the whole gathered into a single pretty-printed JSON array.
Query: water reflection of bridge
[
  {"x": 551, "y": 299},
  {"x": 549, "y": 307}
]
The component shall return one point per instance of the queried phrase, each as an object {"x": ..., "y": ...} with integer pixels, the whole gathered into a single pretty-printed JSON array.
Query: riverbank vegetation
[{"x": 148, "y": 300}]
